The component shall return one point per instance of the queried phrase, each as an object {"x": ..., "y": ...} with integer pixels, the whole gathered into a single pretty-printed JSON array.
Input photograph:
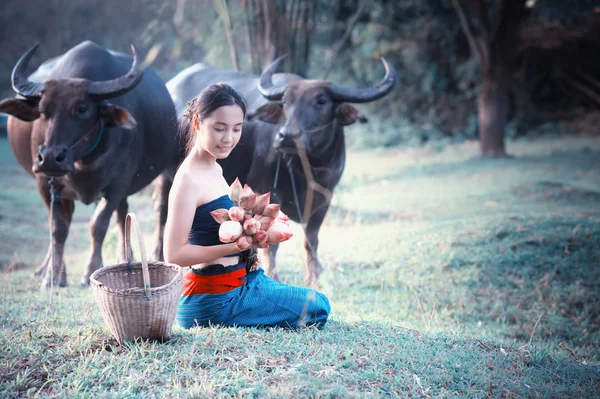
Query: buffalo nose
[
  {"x": 286, "y": 134},
  {"x": 51, "y": 155}
]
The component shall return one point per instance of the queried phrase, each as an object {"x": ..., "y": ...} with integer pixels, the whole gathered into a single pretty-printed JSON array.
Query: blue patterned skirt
[{"x": 227, "y": 296}]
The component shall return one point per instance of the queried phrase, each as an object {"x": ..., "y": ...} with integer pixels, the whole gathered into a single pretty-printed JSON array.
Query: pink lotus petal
[
  {"x": 236, "y": 214},
  {"x": 265, "y": 221},
  {"x": 271, "y": 210},
  {"x": 261, "y": 238},
  {"x": 244, "y": 242},
  {"x": 282, "y": 217},
  {"x": 248, "y": 198},
  {"x": 235, "y": 190},
  {"x": 230, "y": 231},
  {"x": 261, "y": 202},
  {"x": 251, "y": 226},
  {"x": 279, "y": 232},
  {"x": 220, "y": 215}
]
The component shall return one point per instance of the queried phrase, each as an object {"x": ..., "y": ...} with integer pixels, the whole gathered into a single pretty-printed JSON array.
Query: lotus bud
[
  {"x": 279, "y": 232},
  {"x": 283, "y": 218},
  {"x": 261, "y": 238},
  {"x": 271, "y": 210},
  {"x": 248, "y": 198},
  {"x": 257, "y": 245},
  {"x": 236, "y": 214},
  {"x": 220, "y": 215},
  {"x": 235, "y": 190},
  {"x": 243, "y": 242},
  {"x": 261, "y": 202},
  {"x": 251, "y": 226},
  {"x": 230, "y": 231},
  {"x": 265, "y": 221},
  {"x": 247, "y": 203}
]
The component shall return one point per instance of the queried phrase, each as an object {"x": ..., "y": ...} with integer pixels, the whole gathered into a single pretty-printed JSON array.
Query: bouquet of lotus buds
[{"x": 252, "y": 220}]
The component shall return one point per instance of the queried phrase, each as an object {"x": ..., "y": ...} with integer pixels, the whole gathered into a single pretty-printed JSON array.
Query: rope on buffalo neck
[
  {"x": 297, "y": 203},
  {"x": 312, "y": 185},
  {"x": 93, "y": 147},
  {"x": 277, "y": 170},
  {"x": 304, "y": 157},
  {"x": 54, "y": 196}
]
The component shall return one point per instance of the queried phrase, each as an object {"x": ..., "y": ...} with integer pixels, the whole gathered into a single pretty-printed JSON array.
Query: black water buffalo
[
  {"x": 288, "y": 116},
  {"x": 62, "y": 125}
]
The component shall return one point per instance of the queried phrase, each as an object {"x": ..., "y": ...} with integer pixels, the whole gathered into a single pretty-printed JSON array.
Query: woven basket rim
[{"x": 135, "y": 290}]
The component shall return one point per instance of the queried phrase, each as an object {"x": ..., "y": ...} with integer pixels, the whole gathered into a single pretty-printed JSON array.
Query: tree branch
[
  {"x": 340, "y": 43},
  {"x": 248, "y": 38},
  {"x": 469, "y": 33},
  {"x": 299, "y": 38},
  {"x": 227, "y": 20},
  {"x": 585, "y": 90},
  {"x": 589, "y": 78},
  {"x": 256, "y": 33},
  {"x": 311, "y": 21},
  {"x": 267, "y": 38},
  {"x": 486, "y": 35}
]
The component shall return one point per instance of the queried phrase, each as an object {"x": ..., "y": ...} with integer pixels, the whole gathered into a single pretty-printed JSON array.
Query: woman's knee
[{"x": 323, "y": 306}]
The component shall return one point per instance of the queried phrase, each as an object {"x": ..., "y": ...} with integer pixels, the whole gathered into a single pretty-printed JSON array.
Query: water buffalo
[
  {"x": 288, "y": 116},
  {"x": 61, "y": 125}
]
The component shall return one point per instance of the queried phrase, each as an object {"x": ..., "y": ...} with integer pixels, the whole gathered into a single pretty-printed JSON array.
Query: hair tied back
[{"x": 189, "y": 114}]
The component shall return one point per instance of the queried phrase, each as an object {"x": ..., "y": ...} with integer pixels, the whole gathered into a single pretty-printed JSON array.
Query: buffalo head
[
  {"x": 310, "y": 111},
  {"x": 70, "y": 114}
]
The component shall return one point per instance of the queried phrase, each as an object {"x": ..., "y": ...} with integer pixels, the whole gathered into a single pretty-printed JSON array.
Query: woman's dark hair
[{"x": 205, "y": 103}]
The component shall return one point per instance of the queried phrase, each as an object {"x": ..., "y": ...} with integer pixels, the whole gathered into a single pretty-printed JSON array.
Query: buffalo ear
[
  {"x": 25, "y": 110},
  {"x": 269, "y": 113},
  {"x": 346, "y": 115},
  {"x": 115, "y": 116}
]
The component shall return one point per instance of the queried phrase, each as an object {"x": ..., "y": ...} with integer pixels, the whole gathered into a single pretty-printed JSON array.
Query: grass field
[{"x": 449, "y": 276}]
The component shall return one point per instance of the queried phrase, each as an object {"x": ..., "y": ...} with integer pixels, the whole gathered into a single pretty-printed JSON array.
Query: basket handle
[{"x": 129, "y": 253}]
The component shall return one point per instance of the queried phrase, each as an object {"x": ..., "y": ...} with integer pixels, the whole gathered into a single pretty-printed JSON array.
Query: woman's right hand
[{"x": 252, "y": 246}]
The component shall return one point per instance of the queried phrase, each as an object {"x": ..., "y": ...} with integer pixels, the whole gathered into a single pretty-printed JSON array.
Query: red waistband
[{"x": 202, "y": 284}]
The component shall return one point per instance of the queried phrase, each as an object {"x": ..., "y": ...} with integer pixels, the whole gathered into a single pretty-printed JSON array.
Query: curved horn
[
  {"x": 265, "y": 86},
  {"x": 117, "y": 87},
  {"x": 20, "y": 83},
  {"x": 370, "y": 93}
]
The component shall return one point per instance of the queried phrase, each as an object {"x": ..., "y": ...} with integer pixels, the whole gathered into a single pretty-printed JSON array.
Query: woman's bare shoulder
[
  {"x": 197, "y": 182},
  {"x": 187, "y": 179}
]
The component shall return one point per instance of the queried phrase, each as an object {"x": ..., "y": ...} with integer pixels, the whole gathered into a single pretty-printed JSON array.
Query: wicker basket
[{"x": 129, "y": 306}]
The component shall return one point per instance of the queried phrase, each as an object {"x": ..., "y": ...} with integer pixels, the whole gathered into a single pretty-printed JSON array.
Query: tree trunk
[
  {"x": 496, "y": 47},
  {"x": 275, "y": 28},
  {"x": 232, "y": 50},
  {"x": 492, "y": 109}
]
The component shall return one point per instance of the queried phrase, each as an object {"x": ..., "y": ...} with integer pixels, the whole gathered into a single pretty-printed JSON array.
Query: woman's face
[{"x": 219, "y": 133}]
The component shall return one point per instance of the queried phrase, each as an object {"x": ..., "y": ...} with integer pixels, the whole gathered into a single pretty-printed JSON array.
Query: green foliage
[
  {"x": 449, "y": 275},
  {"x": 439, "y": 78}
]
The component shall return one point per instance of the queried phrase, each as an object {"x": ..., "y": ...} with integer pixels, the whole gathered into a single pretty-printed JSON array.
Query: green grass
[{"x": 449, "y": 276}]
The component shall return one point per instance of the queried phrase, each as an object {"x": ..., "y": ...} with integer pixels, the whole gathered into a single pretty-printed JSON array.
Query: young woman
[{"x": 218, "y": 289}]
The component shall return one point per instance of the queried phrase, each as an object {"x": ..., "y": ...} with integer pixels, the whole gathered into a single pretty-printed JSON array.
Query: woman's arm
[{"x": 182, "y": 209}]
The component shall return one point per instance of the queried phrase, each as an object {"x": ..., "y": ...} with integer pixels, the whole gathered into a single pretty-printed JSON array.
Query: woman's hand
[{"x": 246, "y": 243}]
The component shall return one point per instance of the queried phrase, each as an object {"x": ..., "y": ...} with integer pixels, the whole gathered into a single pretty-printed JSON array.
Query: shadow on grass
[{"x": 523, "y": 270}]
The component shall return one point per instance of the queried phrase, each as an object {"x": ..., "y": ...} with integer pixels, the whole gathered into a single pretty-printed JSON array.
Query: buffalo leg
[
  {"x": 98, "y": 227},
  {"x": 60, "y": 223},
  {"x": 160, "y": 198},
  {"x": 311, "y": 243},
  {"x": 268, "y": 261},
  {"x": 121, "y": 215}
]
